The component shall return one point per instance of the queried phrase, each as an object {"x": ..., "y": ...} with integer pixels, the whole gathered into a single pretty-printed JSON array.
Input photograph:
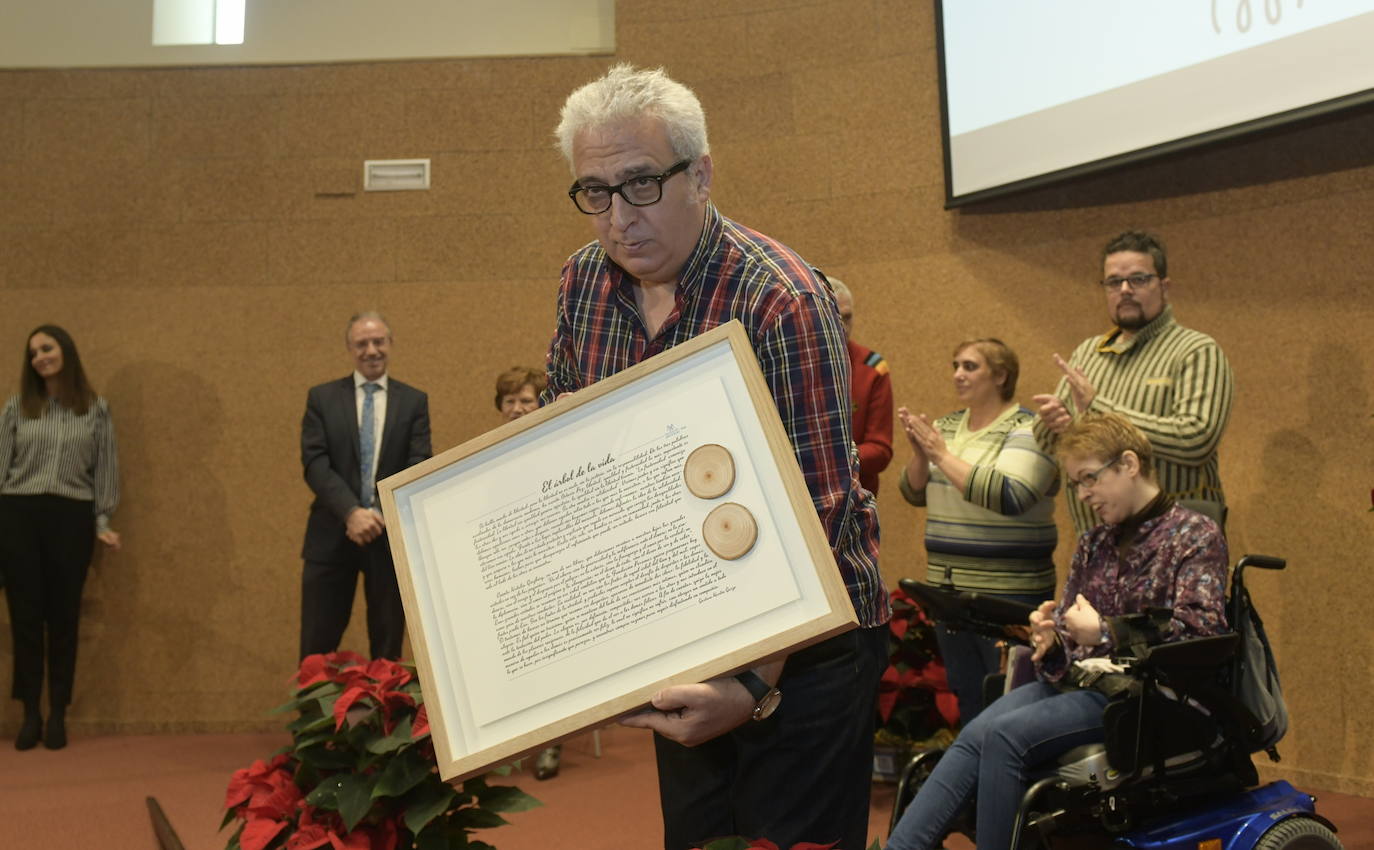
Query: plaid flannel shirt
[{"x": 792, "y": 322}]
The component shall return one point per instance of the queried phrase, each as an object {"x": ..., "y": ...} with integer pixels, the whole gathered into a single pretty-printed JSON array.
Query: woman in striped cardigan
[
  {"x": 988, "y": 490},
  {"x": 59, "y": 483}
]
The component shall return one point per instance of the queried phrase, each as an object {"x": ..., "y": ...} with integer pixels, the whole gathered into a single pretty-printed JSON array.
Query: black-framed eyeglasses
[
  {"x": 641, "y": 191},
  {"x": 1089, "y": 479},
  {"x": 1135, "y": 281}
]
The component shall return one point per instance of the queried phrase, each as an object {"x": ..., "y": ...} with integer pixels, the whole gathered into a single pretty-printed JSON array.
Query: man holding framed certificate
[{"x": 783, "y": 751}]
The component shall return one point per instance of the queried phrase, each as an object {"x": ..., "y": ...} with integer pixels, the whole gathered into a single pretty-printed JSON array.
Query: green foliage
[{"x": 361, "y": 762}]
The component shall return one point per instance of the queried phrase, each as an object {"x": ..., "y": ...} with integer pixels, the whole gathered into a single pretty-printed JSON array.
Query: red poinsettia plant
[
  {"x": 360, "y": 772},
  {"x": 915, "y": 703}
]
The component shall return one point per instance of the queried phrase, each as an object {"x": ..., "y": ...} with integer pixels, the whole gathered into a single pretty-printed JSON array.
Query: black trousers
[
  {"x": 327, "y": 590},
  {"x": 46, "y": 544},
  {"x": 801, "y": 775}
]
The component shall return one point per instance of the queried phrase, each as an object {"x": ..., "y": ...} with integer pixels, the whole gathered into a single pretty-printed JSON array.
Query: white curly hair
[{"x": 626, "y": 92}]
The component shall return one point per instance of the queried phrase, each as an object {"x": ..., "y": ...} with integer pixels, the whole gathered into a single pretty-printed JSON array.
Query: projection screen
[{"x": 1037, "y": 92}]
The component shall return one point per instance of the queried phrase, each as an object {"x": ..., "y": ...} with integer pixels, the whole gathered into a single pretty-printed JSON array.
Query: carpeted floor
[{"x": 93, "y": 795}]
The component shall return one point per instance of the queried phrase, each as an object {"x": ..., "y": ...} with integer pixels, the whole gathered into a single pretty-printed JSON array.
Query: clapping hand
[
  {"x": 1052, "y": 410},
  {"x": 1083, "y": 623},
  {"x": 1043, "y": 636},
  {"x": 1079, "y": 385},
  {"x": 925, "y": 440}
]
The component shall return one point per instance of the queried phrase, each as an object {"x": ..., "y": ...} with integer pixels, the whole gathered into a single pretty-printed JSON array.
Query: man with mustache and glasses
[{"x": 1172, "y": 383}]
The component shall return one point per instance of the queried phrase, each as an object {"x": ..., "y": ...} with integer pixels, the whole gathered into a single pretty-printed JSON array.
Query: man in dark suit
[{"x": 357, "y": 430}]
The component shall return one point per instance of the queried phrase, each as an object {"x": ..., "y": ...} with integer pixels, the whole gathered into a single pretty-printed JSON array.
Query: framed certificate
[{"x": 651, "y": 529}]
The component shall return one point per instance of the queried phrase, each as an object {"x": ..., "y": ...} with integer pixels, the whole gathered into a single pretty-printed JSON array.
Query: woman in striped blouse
[
  {"x": 59, "y": 483},
  {"x": 988, "y": 490}
]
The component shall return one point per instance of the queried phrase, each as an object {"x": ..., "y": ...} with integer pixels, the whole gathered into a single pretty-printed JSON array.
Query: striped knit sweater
[
  {"x": 1175, "y": 385},
  {"x": 61, "y": 454},
  {"x": 997, "y": 535}
]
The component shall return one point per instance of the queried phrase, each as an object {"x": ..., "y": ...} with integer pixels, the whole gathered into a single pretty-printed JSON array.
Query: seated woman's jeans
[{"x": 992, "y": 756}]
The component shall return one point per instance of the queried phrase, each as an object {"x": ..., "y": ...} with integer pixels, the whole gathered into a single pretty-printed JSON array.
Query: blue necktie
[{"x": 367, "y": 438}]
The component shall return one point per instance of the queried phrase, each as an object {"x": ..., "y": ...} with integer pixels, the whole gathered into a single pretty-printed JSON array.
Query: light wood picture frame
[{"x": 554, "y": 571}]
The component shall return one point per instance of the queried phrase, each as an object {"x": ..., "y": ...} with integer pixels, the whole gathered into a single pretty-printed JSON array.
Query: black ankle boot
[
  {"x": 30, "y": 731},
  {"x": 56, "y": 738}
]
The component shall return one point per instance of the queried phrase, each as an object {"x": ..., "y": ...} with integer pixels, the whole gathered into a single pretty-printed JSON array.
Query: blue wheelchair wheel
[{"x": 1298, "y": 833}]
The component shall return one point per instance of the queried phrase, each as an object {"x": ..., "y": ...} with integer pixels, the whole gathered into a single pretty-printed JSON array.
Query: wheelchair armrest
[
  {"x": 994, "y": 609},
  {"x": 1192, "y": 654},
  {"x": 973, "y": 612}
]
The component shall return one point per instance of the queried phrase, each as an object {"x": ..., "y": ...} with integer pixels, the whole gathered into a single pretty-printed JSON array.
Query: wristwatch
[{"x": 766, "y": 696}]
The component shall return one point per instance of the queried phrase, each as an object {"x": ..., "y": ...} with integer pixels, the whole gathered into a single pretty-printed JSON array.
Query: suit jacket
[{"x": 333, "y": 464}]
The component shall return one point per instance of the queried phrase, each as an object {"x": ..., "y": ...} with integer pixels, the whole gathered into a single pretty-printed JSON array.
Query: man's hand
[
  {"x": 1043, "y": 637},
  {"x": 1079, "y": 385},
  {"x": 1053, "y": 412},
  {"x": 1083, "y": 622},
  {"x": 694, "y": 714},
  {"x": 109, "y": 538},
  {"x": 364, "y": 525}
]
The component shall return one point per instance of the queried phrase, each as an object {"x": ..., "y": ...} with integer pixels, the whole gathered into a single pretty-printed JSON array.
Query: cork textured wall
[{"x": 203, "y": 234}]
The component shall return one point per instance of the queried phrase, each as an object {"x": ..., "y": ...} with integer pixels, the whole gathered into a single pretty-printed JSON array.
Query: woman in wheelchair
[{"x": 1147, "y": 553}]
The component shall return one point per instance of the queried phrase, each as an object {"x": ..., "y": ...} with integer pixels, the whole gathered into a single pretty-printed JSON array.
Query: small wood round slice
[
  {"x": 709, "y": 471},
  {"x": 730, "y": 531}
]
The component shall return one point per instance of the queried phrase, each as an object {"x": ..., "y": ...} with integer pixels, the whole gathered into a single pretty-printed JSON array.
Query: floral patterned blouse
[{"x": 1177, "y": 560}]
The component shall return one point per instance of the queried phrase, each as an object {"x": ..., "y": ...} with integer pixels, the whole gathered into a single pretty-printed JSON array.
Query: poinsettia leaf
[
  {"x": 425, "y": 804},
  {"x": 326, "y": 794},
  {"x": 478, "y": 819},
  {"x": 732, "y": 843},
  {"x": 326, "y": 705},
  {"x": 475, "y": 786},
  {"x": 506, "y": 798},
  {"x": 293, "y": 704},
  {"x": 434, "y": 838},
  {"x": 359, "y": 840},
  {"x": 478, "y": 845},
  {"x": 876, "y": 845},
  {"x": 309, "y": 837},
  {"x": 355, "y": 798},
  {"x": 230, "y": 815},
  {"x": 420, "y": 728},
  {"x": 258, "y": 833},
  {"x": 807, "y": 845},
  {"x": 310, "y": 722},
  {"x": 503, "y": 770},
  {"x": 305, "y": 742},
  {"x": 345, "y": 702},
  {"x": 399, "y": 737},
  {"x": 309, "y": 694},
  {"x": 401, "y": 774}
]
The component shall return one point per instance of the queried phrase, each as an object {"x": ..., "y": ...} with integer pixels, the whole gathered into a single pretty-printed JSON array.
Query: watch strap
[{"x": 754, "y": 684}]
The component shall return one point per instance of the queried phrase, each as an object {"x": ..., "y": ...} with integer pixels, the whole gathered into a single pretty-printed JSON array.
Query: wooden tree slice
[
  {"x": 709, "y": 471},
  {"x": 730, "y": 531}
]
